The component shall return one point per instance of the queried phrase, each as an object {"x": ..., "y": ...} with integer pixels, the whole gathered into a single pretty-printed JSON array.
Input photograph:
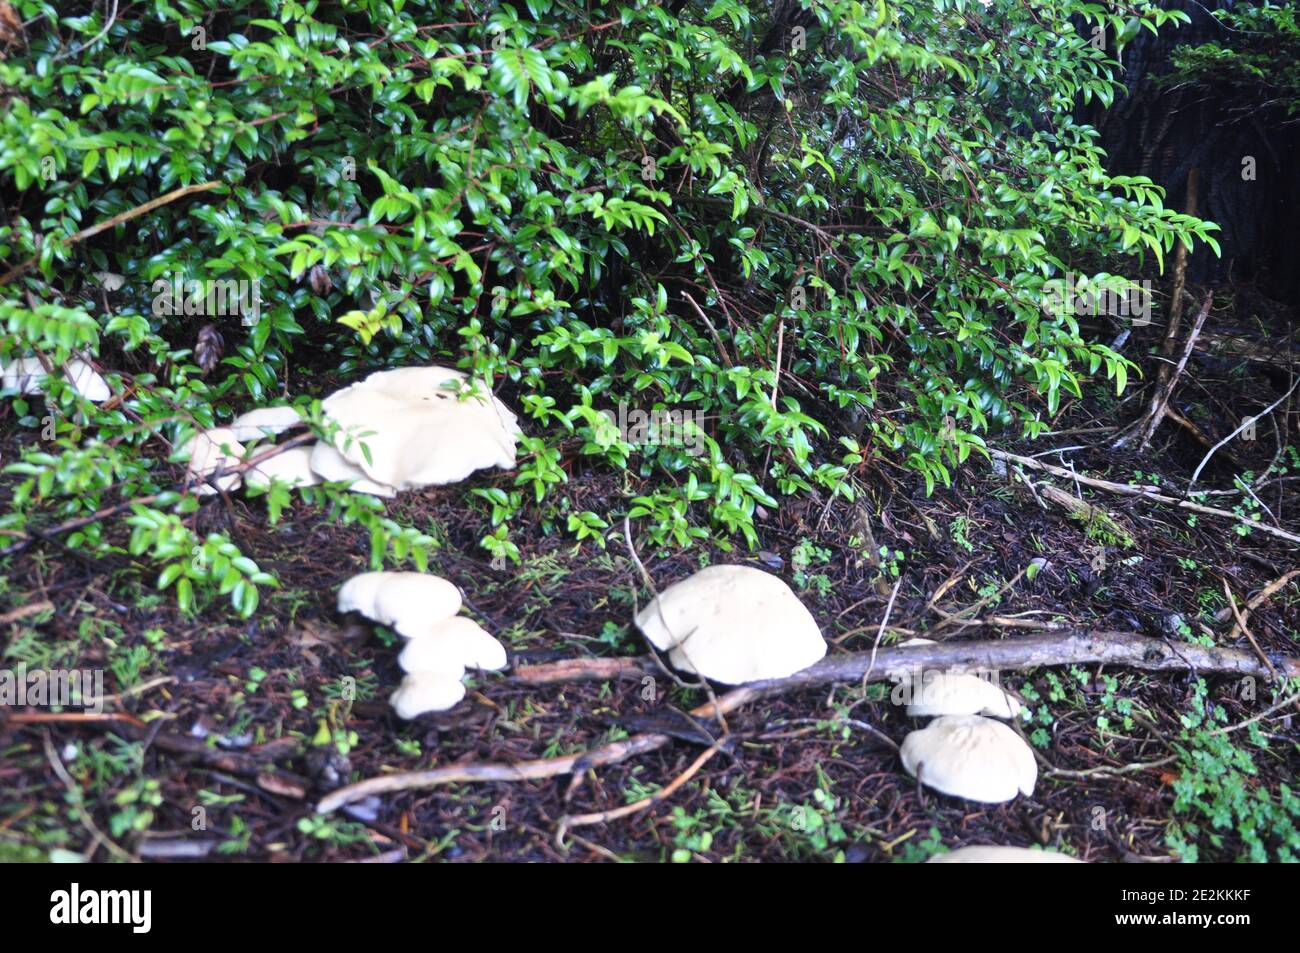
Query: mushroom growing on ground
[
  {"x": 27, "y": 376},
  {"x": 1002, "y": 855},
  {"x": 455, "y": 641},
  {"x": 422, "y": 607},
  {"x": 209, "y": 451},
  {"x": 407, "y": 602},
  {"x": 418, "y": 429},
  {"x": 956, "y": 693},
  {"x": 972, "y": 757},
  {"x": 422, "y": 692},
  {"x": 733, "y": 624},
  {"x": 264, "y": 422},
  {"x": 292, "y": 466}
]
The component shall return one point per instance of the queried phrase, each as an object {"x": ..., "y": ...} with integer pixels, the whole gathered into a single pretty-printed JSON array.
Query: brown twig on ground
[
  {"x": 1241, "y": 624},
  {"x": 1143, "y": 492},
  {"x": 601, "y": 817},
  {"x": 1124, "y": 649},
  {"x": 1260, "y": 597}
]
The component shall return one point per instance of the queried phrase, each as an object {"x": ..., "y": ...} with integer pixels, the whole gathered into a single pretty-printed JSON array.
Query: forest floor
[{"x": 224, "y": 734}]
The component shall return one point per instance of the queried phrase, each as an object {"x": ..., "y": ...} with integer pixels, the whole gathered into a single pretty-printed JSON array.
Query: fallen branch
[
  {"x": 1145, "y": 492},
  {"x": 1124, "y": 649}
]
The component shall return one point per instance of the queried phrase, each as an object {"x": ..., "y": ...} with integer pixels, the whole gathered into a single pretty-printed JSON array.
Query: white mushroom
[
  {"x": 328, "y": 464},
  {"x": 955, "y": 693},
  {"x": 292, "y": 466},
  {"x": 108, "y": 280},
  {"x": 264, "y": 422},
  {"x": 972, "y": 757},
  {"x": 733, "y": 624},
  {"x": 1002, "y": 855},
  {"x": 422, "y": 692},
  {"x": 455, "y": 641},
  {"x": 407, "y": 602},
  {"x": 27, "y": 376},
  {"x": 417, "y": 430},
  {"x": 209, "y": 451}
]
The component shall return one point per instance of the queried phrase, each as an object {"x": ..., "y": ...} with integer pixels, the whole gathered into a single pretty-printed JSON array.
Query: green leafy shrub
[{"x": 824, "y": 227}]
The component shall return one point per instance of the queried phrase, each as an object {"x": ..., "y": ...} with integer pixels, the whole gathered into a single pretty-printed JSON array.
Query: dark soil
[{"x": 240, "y": 760}]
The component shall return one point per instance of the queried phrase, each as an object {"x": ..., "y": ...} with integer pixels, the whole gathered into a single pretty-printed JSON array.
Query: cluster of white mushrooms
[
  {"x": 440, "y": 645},
  {"x": 963, "y": 752},
  {"x": 396, "y": 430}
]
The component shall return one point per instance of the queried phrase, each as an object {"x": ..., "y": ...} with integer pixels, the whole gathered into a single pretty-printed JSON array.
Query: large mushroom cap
[
  {"x": 209, "y": 451},
  {"x": 455, "y": 641},
  {"x": 427, "y": 691},
  {"x": 733, "y": 624},
  {"x": 328, "y": 464},
  {"x": 292, "y": 466},
  {"x": 1002, "y": 855},
  {"x": 971, "y": 757},
  {"x": 956, "y": 693},
  {"x": 264, "y": 422},
  {"x": 418, "y": 429},
  {"x": 407, "y": 602}
]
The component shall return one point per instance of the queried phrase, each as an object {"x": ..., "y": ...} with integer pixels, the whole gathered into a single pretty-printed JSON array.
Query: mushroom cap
[
  {"x": 418, "y": 430},
  {"x": 264, "y": 422},
  {"x": 210, "y": 451},
  {"x": 328, "y": 464},
  {"x": 959, "y": 693},
  {"x": 992, "y": 854},
  {"x": 455, "y": 641},
  {"x": 292, "y": 466},
  {"x": 407, "y": 602},
  {"x": 733, "y": 624},
  {"x": 972, "y": 757},
  {"x": 27, "y": 376},
  {"x": 422, "y": 692},
  {"x": 956, "y": 693}
]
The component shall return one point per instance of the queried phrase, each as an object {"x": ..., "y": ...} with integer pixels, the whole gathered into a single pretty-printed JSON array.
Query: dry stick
[
  {"x": 600, "y": 817},
  {"x": 1123, "y": 649},
  {"x": 1170, "y": 381},
  {"x": 1174, "y": 323},
  {"x": 1245, "y": 422},
  {"x": 1143, "y": 492},
  {"x": 1260, "y": 597},
  {"x": 1241, "y": 624},
  {"x": 118, "y": 219}
]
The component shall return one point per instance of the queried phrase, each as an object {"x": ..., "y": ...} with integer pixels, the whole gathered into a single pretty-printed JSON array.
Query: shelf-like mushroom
[
  {"x": 328, "y": 464},
  {"x": 421, "y": 426},
  {"x": 955, "y": 693},
  {"x": 452, "y": 642},
  {"x": 264, "y": 422},
  {"x": 27, "y": 376},
  {"x": 209, "y": 451},
  {"x": 292, "y": 466},
  {"x": 422, "y": 692},
  {"x": 407, "y": 602},
  {"x": 733, "y": 624},
  {"x": 972, "y": 757}
]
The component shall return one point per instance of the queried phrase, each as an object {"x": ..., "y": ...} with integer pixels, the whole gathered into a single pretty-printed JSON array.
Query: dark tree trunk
[{"x": 1164, "y": 133}]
